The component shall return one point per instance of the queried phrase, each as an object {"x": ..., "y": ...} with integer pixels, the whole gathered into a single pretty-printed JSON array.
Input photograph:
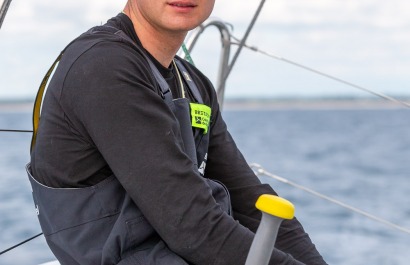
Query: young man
[{"x": 121, "y": 170}]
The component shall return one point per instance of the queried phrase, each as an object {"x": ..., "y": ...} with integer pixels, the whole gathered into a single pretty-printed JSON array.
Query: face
[{"x": 172, "y": 15}]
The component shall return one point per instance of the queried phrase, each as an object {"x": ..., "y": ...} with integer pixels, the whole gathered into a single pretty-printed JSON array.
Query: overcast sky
[{"x": 365, "y": 42}]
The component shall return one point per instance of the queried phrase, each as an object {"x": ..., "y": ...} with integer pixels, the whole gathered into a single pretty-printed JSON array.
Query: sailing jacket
[{"x": 106, "y": 130}]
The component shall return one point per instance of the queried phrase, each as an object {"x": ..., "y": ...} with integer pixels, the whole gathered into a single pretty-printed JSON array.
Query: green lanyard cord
[{"x": 187, "y": 54}]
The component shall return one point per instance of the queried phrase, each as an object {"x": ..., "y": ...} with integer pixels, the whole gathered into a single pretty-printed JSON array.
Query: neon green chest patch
[{"x": 200, "y": 116}]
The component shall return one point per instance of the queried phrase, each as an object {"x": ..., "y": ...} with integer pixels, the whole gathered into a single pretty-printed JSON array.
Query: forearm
[{"x": 293, "y": 239}]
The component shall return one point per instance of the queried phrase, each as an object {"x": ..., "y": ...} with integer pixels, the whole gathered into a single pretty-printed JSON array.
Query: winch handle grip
[{"x": 274, "y": 210}]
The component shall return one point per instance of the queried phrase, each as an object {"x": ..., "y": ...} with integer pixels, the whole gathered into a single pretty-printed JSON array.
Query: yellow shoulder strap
[{"x": 39, "y": 100}]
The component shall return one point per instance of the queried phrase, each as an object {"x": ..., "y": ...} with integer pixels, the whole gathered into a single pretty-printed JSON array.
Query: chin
[{"x": 185, "y": 24}]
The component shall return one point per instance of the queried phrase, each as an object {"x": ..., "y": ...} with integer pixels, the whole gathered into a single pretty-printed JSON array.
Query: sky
[{"x": 364, "y": 42}]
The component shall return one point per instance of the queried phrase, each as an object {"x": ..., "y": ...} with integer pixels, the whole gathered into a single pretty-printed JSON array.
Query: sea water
[{"x": 358, "y": 156}]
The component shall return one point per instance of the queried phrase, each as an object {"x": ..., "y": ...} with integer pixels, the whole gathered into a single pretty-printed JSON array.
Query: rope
[
  {"x": 381, "y": 95},
  {"x": 259, "y": 170},
  {"x": 19, "y": 244}
]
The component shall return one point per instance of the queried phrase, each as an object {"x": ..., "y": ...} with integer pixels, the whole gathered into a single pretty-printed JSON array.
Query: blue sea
[{"x": 359, "y": 156}]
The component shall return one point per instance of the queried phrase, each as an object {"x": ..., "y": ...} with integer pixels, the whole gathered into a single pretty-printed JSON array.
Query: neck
[{"x": 162, "y": 45}]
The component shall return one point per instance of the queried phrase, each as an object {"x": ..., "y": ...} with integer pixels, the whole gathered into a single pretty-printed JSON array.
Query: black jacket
[{"x": 105, "y": 116}]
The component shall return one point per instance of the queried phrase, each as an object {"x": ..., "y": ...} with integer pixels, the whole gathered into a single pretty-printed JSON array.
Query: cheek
[{"x": 208, "y": 7}]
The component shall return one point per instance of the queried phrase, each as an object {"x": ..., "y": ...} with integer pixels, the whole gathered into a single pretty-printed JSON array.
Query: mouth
[{"x": 182, "y": 4}]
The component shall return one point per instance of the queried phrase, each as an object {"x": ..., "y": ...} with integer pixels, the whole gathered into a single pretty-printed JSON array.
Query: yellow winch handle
[
  {"x": 276, "y": 206},
  {"x": 274, "y": 211}
]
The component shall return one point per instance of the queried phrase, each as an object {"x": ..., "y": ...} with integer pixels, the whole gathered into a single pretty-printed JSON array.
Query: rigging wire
[
  {"x": 3, "y": 10},
  {"x": 259, "y": 170},
  {"x": 20, "y": 131},
  {"x": 381, "y": 95},
  {"x": 242, "y": 42},
  {"x": 21, "y": 243}
]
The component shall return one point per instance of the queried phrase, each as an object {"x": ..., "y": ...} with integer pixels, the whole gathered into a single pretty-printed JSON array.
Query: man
[{"x": 114, "y": 169}]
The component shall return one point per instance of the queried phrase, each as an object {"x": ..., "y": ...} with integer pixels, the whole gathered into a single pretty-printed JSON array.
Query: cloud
[
  {"x": 363, "y": 41},
  {"x": 50, "y": 17}
]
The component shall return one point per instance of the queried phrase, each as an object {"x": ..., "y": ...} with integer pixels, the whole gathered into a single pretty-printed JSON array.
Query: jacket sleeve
[{"x": 227, "y": 164}]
